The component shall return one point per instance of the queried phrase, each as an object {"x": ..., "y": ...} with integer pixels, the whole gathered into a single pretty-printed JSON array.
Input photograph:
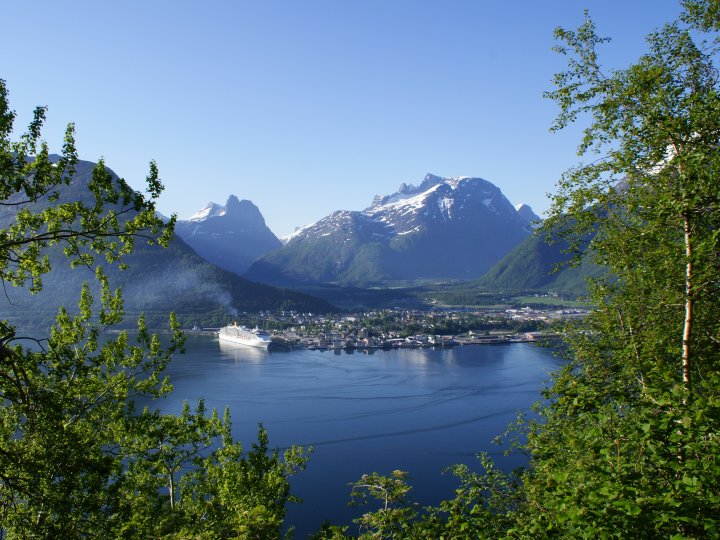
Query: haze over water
[{"x": 418, "y": 410}]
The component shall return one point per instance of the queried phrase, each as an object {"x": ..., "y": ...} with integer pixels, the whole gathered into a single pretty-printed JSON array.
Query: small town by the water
[{"x": 393, "y": 329}]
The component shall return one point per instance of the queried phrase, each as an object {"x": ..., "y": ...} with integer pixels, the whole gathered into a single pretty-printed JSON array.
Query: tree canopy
[
  {"x": 77, "y": 458},
  {"x": 629, "y": 445}
]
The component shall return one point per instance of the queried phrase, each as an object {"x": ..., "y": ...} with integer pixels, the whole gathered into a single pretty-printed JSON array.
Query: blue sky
[{"x": 305, "y": 107}]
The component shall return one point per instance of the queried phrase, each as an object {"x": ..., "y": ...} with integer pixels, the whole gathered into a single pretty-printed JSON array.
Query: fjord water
[{"x": 418, "y": 410}]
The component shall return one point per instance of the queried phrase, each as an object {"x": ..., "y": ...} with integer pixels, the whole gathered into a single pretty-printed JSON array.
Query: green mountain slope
[{"x": 533, "y": 265}]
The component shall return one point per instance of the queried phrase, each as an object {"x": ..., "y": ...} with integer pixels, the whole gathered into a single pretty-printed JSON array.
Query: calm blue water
[{"x": 415, "y": 410}]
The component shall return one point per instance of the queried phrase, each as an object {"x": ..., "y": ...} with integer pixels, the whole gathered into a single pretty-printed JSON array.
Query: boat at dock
[{"x": 245, "y": 336}]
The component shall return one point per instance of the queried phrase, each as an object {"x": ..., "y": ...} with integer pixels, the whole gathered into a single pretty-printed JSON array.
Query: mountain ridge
[{"x": 419, "y": 232}]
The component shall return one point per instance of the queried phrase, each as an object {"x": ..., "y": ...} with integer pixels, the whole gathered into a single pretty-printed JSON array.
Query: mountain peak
[
  {"x": 431, "y": 179},
  {"x": 527, "y": 213},
  {"x": 405, "y": 188},
  {"x": 235, "y": 207},
  {"x": 432, "y": 183},
  {"x": 210, "y": 209},
  {"x": 406, "y": 191},
  {"x": 229, "y": 236},
  {"x": 232, "y": 201}
]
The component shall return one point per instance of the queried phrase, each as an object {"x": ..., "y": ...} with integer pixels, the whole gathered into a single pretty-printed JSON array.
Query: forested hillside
[{"x": 541, "y": 263}]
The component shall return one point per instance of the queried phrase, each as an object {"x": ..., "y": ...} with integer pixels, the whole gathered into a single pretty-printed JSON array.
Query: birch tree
[{"x": 629, "y": 442}]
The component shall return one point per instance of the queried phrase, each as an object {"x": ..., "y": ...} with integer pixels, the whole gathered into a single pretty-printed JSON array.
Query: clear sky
[{"x": 308, "y": 106}]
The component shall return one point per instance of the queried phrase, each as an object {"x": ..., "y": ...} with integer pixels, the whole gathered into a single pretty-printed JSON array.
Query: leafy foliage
[
  {"x": 625, "y": 445},
  {"x": 154, "y": 282},
  {"x": 107, "y": 224},
  {"x": 627, "y": 448},
  {"x": 482, "y": 507},
  {"x": 77, "y": 459},
  {"x": 230, "y": 494}
]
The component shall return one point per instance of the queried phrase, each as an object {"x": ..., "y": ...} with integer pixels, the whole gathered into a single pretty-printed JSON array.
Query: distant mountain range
[
  {"x": 157, "y": 281},
  {"x": 459, "y": 228},
  {"x": 230, "y": 236},
  {"x": 444, "y": 228}
]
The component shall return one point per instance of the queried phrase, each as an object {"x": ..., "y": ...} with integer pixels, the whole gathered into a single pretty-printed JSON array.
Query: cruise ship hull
[{"x": 243, "y": 336}]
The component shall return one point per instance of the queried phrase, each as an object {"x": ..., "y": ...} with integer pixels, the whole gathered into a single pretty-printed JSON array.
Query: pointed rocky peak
[
  {"x": 527, "y": 213},
  {"x": 229, "y": 236},
  {"x": 233, "y": 201},
  {"x": 405, "y": 188},
  {"x": 429, "y": 181},
  {"x": 234, "y": 204},
  {"x": 243, "y": 209},
  {"x": 236, "y": 210}
]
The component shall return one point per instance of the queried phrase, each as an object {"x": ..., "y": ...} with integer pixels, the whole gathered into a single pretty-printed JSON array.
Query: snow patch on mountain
[
  {"x": 211, "y": 209},
  {"x": 445, "y": 204},
  {"x": 414, "y": 208},
  {"x": 403, "y": 204},
  {"x": 453, "y": 227},
  {"x": 337, "y": 221}
]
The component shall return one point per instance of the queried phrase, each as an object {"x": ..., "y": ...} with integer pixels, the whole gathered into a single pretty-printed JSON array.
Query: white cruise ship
[{"x": 244, "y": 336}]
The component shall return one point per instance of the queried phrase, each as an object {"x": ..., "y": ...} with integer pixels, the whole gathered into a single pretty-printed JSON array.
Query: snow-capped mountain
[
  {"x": 211, "y": 210},
  {"x": 230, "y": 236},
  {"x": 443, "y": 228}
]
